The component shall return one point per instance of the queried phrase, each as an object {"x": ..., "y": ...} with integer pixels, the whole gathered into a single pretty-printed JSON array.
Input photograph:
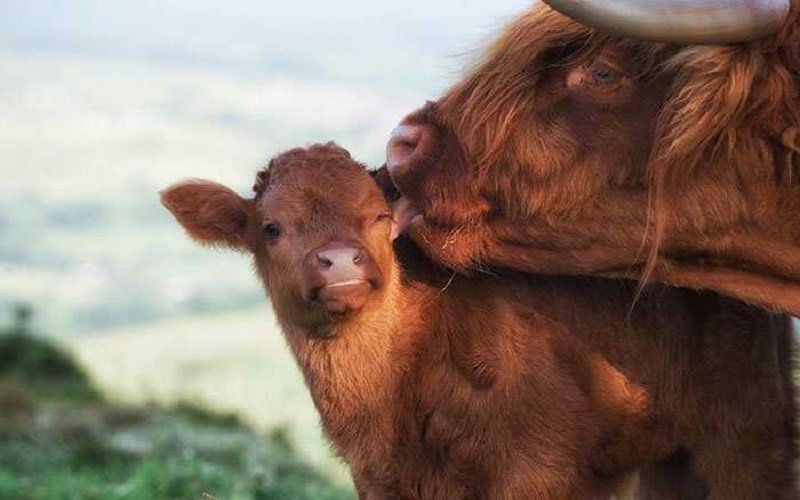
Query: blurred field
[
  {"x": 60, "y": 438},
  {"x": 230, "y": 362},
  {"x": 106, "y": 103}
]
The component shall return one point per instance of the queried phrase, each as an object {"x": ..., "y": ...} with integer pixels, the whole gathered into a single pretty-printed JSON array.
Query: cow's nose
[
  {"x": 338, "y": 257},
  {"x": 340, "y": 263},
  {"x": 401, "y": 146},
  {"x": 341, "y": 277}
]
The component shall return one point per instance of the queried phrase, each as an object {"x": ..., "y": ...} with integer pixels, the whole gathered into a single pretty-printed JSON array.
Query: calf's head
[{"x": 318, "y": 227}]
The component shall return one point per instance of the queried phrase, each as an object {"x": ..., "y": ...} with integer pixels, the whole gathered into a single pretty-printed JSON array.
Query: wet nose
[
  {"x": 342, "y": 256},
  {"x": 341, "y": 262},
  {"x": 401, "y": 146}
]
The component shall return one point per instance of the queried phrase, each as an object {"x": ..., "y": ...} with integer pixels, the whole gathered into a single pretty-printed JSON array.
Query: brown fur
[
  {"x": 683, "y": 168},
  {"x": 507, "y": 386}
]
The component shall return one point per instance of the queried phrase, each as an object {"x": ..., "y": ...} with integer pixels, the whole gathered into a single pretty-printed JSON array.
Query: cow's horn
[{"x": 679, "y": 21}]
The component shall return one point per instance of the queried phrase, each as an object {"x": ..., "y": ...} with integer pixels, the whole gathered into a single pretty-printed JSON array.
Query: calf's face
[{"x": 318, "y": 227}]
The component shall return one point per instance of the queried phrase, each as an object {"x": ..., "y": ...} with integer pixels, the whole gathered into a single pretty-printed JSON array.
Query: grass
[
  {"x": 234, "y": 362},
  {"x": 44, "y": 368},
  {"x": 67, "y": 451},
  {"x": 72, "y": 444}
]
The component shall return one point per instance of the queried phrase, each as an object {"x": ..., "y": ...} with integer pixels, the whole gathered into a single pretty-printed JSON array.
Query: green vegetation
[
  {"x": 43, "y": 368},
  {"x": 65, "y": 451},
  {"x": 60, "y": 440}
]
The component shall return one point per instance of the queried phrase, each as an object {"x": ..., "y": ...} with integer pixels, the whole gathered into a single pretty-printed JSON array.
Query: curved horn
[{"x": 679, "y": 21}]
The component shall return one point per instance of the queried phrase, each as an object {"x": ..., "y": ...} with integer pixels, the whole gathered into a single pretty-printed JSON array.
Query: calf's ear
[{"x": 211, "y": 213}]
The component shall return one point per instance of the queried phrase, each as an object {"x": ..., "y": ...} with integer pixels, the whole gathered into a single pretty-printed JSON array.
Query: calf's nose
[
  {"x": 341, "y": 263},
  {"x": 340, "y": 276}
]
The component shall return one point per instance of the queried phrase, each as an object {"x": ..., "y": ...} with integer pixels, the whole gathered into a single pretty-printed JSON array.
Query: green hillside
[{"x": 61, "y": 439}]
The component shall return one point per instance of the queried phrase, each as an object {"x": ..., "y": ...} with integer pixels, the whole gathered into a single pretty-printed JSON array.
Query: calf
[{"x": 434, "y": 385}]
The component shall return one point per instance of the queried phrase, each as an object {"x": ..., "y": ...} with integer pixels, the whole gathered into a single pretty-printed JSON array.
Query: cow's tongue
[{"x": 402, "y": 214}]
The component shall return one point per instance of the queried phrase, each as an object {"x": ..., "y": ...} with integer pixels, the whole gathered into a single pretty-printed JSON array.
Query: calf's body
[
  {"x": 432, "y": 385},
  {"x": 546, "y": 387}
]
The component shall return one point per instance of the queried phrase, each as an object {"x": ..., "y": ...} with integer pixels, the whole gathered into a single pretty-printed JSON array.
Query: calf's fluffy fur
[{"x": 432, "y": 385}]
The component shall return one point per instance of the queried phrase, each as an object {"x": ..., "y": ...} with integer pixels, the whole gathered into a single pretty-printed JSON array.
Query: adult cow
[{"x": 569, "y": 149}]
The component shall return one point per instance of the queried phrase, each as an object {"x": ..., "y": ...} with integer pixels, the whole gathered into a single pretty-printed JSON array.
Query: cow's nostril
[
  {"x": 401, "y": 146},
  {"x": 339, "y": 259},
  {"x": 324, "y": 262}
]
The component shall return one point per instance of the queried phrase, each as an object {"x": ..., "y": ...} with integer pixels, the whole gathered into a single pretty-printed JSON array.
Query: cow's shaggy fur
[{"x": 568, "y": 151}]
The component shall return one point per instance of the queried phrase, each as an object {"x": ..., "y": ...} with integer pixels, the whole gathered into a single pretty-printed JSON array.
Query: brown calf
[{"x": 439, "y": 386}]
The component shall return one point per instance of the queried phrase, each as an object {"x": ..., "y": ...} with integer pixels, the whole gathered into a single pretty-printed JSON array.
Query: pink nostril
[
  {"x": 339, "y": 274},
  {"x": 338, "y": 258}
]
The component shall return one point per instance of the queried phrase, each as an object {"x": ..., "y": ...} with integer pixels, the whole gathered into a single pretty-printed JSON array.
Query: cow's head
[
  {"x": 318, "y": 227},
  {"x": 621, "y": 156}
]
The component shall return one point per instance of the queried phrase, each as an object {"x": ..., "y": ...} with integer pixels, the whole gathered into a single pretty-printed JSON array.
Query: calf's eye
[
  {"x": 272, "y": 230},
  {"x": 383, "y": 216}
]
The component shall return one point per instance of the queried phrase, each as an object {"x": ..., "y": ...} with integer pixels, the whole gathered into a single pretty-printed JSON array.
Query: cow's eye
[
  {"x": 272, "y": 230},
  {"x": 383, "y": 216},
  {"x": 603, "y": 75}
]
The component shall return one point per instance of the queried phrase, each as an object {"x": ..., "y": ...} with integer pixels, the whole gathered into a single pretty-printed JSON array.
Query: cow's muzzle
[{"x": 340, "y": 276}]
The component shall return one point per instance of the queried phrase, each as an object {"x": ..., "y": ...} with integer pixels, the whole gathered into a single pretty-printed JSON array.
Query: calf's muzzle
[{"x": 340, "y": 276}]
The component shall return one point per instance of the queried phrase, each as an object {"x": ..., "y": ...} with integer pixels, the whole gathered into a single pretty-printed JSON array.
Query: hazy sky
[
  {"x": 178, "y": 24},
  {"x": 349, "y": 41},
  {"x": 92, "y": 76}
]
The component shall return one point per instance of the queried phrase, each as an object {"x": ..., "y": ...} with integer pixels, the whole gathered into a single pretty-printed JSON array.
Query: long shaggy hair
[{"x": 732, "y": 113}]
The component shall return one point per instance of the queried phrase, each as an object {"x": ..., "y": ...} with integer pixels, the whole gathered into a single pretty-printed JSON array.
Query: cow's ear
[{"x": 211, "y": 213}]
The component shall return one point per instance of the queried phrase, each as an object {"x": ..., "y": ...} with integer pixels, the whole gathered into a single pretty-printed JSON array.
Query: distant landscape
[
  {"x": 84, "y": 236},
  {"x": 106, "y": 103},
  {"x": 63, "y": 436},
  {"x": 233, "y": 362}
]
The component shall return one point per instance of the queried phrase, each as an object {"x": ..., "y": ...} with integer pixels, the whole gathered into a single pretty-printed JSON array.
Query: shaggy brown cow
[
  {"x": 440, "y": 386},
  {"x": 567, "y": 150}
]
